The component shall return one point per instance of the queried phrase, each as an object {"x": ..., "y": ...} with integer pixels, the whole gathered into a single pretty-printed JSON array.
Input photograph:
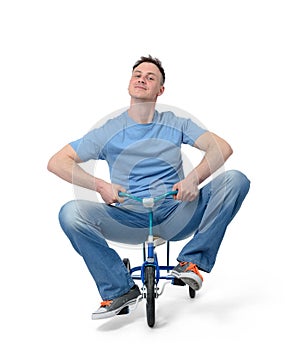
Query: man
[{"x": 143, "y": 151}]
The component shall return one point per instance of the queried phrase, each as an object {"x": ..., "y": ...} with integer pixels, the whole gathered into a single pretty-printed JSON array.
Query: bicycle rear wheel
[{"x": 150, "y": 294}]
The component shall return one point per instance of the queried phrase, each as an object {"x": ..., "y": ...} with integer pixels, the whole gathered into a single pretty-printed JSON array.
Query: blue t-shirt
[{"x": 144, "y": 158}]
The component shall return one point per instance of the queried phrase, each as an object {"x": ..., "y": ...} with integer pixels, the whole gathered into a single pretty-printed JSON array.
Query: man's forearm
[
  {"x": 212, "y": 161},
  {"x": 68, "y": 170}
]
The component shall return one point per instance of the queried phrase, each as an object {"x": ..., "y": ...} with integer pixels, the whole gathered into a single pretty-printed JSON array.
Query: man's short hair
[{"x": 153, "y": 60}]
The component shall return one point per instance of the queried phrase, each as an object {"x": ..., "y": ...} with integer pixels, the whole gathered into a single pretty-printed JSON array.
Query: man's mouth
[{"x": 140, "y": 87}]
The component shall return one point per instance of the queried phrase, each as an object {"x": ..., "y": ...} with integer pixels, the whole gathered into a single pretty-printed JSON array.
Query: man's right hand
[{"x": 109, "y": 192}]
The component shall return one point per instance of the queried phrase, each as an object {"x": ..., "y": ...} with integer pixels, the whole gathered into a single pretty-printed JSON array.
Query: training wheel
[
  {"x": 127, "y": 264},
  {"x": 192, "y": 293}
]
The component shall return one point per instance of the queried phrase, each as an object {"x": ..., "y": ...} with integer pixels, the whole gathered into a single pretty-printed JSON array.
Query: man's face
[{"x": 145, "y": 83}]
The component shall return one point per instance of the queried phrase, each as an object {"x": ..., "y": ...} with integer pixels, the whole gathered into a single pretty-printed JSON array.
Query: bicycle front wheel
[{"x": 150, "y": 294}]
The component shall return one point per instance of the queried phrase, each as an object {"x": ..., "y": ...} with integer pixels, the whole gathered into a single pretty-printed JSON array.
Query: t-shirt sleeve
[
  {"x": 191, "y": 132},
  {"x": 90, "y": 146}
]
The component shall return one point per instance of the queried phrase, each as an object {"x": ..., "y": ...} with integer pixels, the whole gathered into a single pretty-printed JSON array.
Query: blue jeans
[{"x": 89, "y": 225}]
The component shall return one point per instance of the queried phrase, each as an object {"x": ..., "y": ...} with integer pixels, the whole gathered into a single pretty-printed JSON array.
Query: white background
[{"x": 64, "y": 65}]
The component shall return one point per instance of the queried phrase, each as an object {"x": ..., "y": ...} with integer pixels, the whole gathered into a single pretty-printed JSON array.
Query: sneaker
[
  {"x": 117, "y": 306},
  {"x": 189, "y": 274}
]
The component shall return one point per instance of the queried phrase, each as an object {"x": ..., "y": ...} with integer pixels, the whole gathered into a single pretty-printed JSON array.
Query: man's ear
[{"x": 161, "y": 90}]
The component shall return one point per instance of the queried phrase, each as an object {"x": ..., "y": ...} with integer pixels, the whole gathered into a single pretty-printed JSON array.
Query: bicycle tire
[{"x": 150, "y": 294}]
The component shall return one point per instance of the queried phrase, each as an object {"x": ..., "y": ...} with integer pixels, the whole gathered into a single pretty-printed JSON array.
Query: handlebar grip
[{"x": 173, "y": 192}]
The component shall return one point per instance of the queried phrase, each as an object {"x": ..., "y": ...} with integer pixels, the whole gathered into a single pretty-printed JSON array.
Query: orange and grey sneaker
[
  {"x": 189, "y": 274},
  {"x": 118, "y": 306}
]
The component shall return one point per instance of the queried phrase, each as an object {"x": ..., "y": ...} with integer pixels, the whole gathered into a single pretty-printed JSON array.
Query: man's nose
[{"x": 141, "y": 80}]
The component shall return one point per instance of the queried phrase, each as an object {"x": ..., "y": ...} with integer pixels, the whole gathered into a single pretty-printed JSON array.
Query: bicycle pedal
[
  {"x": 124, "y": 311},
  {"x": 178, "y": 282}
]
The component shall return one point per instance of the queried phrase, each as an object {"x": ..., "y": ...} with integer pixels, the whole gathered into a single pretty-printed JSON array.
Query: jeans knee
[
  {"x": 67, "y": 216},
  {"x": 238, "y": 180}
]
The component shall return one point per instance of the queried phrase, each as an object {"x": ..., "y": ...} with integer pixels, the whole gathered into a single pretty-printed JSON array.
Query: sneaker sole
[
  {"x": 112, "y": 313},
  {"x": 194, "y": 282}
]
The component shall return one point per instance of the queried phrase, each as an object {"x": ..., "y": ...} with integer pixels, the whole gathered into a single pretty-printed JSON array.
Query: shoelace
[
  {"x": 192, "y": 267},
  {"x": 106, "y": 303}
]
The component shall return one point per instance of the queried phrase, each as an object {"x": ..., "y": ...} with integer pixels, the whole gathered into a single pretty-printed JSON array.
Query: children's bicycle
[{"x": 150, "y": 272}]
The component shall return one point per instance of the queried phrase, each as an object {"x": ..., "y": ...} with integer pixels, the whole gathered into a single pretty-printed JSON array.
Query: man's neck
[{"x": 142, "y": 112}]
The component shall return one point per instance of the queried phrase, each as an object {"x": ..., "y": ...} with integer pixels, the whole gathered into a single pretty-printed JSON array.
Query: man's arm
[
  {"x": 65, "y": 164},
  {"x": 217, "y": 151}
]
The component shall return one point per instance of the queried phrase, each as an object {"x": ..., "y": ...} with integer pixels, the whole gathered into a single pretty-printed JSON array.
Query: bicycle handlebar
[{"x": 149, "y": 201}]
